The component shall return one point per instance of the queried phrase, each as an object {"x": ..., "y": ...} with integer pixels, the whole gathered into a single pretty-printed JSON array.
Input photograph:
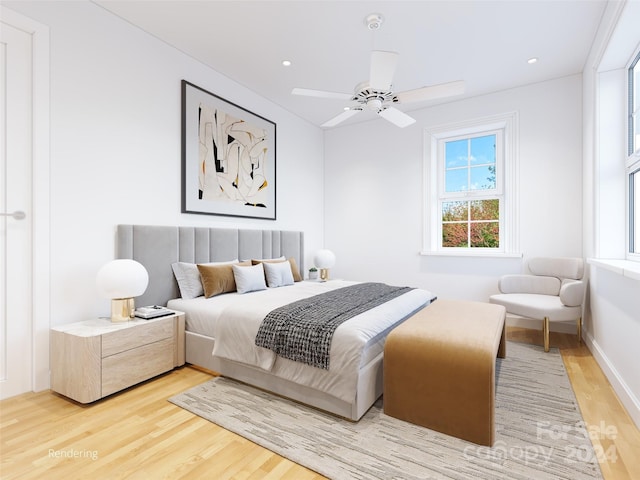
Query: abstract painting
[{"x": 228, "y": 157}]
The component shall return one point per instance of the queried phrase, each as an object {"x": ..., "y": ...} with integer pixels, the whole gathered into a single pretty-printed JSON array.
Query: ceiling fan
[{"x": 377, "y": 94}]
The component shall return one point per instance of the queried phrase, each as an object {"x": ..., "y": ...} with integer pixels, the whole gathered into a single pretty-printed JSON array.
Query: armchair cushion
[
  {"x": 536, "y": 306},
  {"x": 529, "y": 284},
  {"x": 572, "y": 292},
  {"x": 557, "y": 267}
]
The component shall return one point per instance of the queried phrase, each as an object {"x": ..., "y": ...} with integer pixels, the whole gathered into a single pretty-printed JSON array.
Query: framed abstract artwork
[{"x": 228, "y": 157}]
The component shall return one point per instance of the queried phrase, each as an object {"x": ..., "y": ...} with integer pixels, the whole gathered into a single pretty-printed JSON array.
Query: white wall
[
  {"x": 116, "y": 146},
  {"x": 612, "y": 318},
  {"x": 374, "y": 191}
]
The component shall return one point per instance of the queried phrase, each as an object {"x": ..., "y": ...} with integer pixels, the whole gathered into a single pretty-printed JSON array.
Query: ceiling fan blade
[
  {"x": 434, "y": 91},
  {"x": 396, "y": 117},
  {"x": 383, "y": 66},
  {"x": 340, "y": 118},
  {"x": 321, "y": 94}
]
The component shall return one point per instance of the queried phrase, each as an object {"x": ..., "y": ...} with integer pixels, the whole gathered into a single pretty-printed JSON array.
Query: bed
[{"x": 220, "y": 331}]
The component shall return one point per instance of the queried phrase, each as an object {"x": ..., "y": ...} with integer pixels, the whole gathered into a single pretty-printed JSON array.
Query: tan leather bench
[{"x": 439, "y": 368}]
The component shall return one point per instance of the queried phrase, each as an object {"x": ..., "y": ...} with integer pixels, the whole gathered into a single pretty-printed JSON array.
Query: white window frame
[
  {"x": 632, "y": 161},
  {"x": 506, "y": 189}
]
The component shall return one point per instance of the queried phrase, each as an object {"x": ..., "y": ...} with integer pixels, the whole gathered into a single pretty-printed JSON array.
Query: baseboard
[{"x": 630, "y": 402}]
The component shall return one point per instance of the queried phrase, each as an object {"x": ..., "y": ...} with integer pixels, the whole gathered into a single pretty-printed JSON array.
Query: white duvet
[
  {"x": 355, "y": 342},
  {"x": 238, "y": 326}
]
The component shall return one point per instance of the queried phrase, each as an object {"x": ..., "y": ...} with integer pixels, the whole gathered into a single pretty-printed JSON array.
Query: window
[
  {"x": 633, "y": 159},
  {"x": 634, "y": 106},
  {"x": 469, "y": 180},
  {"x": 634, "y": 212},
  {"x": 469, "y": 203}
]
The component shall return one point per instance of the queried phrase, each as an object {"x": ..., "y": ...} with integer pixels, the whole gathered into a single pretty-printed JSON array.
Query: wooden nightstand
[{"x": 95, "y": 358}]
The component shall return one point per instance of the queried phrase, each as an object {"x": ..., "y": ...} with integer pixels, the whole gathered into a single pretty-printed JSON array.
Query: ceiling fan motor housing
[{"x": 375, "y": 100}]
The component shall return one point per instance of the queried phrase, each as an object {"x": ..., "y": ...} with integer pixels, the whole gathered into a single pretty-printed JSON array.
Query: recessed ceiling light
[
  {"x": 532, "y": 60},
  {"x": 347, "y": 108},
  {"x": 286, "y": 63}
]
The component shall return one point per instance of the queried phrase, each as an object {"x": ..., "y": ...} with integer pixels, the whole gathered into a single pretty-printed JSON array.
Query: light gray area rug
[{"x": 539, "y": 430}]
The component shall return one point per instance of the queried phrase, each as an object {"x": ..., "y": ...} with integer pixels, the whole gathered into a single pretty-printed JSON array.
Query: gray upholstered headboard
[{"x": 157, "y": 247}]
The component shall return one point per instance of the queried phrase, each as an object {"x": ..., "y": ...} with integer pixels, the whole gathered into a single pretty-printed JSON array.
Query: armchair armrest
[
  {"x": 572, "y": 292},
  {"x": 529, "y": 284}
]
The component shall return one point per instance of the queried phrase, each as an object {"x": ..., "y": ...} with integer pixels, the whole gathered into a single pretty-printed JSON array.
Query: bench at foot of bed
[{"x": 439, "y": 368}]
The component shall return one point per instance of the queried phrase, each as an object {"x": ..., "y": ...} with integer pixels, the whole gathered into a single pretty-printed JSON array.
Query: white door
[{"x": 16, "y": 323}]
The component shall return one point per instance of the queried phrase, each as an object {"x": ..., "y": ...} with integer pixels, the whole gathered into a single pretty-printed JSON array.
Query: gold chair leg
[
  {"x": 545, "y": 333},
  {"x": 579, "y": 330}
]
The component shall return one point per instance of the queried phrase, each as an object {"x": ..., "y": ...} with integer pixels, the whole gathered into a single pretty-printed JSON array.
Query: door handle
[{"x": 17, "y": 215}]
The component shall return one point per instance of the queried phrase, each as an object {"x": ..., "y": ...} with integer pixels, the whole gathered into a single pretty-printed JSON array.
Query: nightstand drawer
[
  {"x": 136, "y": 365},
  {"x": 123, "y": 340}
]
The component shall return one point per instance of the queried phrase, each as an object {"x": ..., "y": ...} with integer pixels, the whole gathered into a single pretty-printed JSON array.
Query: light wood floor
[{"x": 138, "y": 434}]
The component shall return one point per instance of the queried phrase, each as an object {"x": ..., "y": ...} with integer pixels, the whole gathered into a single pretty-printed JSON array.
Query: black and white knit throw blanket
[{"x": 302, "y": 330}]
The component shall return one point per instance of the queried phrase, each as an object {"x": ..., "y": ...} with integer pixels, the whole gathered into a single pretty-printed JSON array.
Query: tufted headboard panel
[{"x": 157, "y": 247}]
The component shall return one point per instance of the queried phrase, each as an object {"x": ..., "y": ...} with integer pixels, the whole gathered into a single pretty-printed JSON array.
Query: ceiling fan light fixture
[{"x": 374, "y": 104}]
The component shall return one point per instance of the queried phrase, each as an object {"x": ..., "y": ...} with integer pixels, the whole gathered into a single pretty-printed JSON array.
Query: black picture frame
[{"x": 228, "y": 157}]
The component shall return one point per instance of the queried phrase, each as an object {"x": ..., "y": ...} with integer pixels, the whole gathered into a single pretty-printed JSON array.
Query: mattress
[{"x": 232, "y": 320}]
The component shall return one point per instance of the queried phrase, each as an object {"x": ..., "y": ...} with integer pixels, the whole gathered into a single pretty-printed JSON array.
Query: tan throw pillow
[
  {"x": 188, "y": 277},
  {"x": 292, "y": 261},
  {"x": 295, "y": 270},
  {"x": 218, "y": 279}
]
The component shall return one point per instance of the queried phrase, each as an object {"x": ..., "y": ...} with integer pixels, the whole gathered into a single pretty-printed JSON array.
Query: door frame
[{"x": 41, "y": 228}]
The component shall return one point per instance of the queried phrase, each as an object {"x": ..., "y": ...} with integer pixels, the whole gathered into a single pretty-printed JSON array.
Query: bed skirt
[{"x": 199, "y": 350}]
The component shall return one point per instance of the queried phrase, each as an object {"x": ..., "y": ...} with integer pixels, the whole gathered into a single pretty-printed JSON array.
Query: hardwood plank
[{"x": 137, "y": 433}]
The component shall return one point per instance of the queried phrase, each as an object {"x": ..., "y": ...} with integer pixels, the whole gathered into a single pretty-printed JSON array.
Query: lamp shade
[
  {"x": 122, "y": 279},
  {"x": 324, "y": 259}
]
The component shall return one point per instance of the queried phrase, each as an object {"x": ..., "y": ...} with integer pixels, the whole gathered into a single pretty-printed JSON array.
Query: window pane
[
  {"x": 483, "y": 150},
  {"x": 483, "y": 178},
  {"x": 485, "y": 235},
  {"x": 456, "y": 180},
  {"x": 485, "y": 209},
  {"x": 634, "y": 220},
  {"x": 634, "y": 106},
  {"x": 456, "y": 153},
  {"x": 636, "y": 86},
  {"x": 455, "y": 211},
  {"x": 635, "y": 141},
  {"x": 455, "y": 235},
  {"x": 473, "y": 223}
]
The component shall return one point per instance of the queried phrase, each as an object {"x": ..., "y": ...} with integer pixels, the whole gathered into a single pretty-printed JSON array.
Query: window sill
[
  {"x": 461, "y": 253},
  {"x": 625, "y": 268}
]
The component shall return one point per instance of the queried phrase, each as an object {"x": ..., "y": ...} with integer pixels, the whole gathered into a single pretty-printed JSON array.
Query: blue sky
[{"x": 469, "y": 163}]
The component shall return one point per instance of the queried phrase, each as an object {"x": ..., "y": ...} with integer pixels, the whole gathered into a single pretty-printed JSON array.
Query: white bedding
[{"x": 233, "y": 320}]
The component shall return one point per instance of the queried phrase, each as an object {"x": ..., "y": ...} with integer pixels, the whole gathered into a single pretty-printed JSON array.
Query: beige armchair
[{"x": 554, "y": 292}]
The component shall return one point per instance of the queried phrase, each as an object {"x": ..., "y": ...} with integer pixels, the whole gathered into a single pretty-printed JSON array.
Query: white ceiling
[{"x": 485, "y": 43}]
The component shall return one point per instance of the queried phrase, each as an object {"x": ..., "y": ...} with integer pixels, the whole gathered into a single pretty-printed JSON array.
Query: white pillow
[
  {"x": 249, "y": 279},
  {"x": 188, "y": 277},
  {"x": 278, "y": 274}
]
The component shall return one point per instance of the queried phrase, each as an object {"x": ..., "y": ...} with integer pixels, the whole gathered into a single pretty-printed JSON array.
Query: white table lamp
[
  {"x": 121, "y": 280},
  {"x": 324, "y": 260}
]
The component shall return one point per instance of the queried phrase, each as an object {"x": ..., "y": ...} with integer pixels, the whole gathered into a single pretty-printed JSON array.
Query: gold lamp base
[
  {"x": 122, "y": 309},
  {"x": 324, "y": 274}
]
